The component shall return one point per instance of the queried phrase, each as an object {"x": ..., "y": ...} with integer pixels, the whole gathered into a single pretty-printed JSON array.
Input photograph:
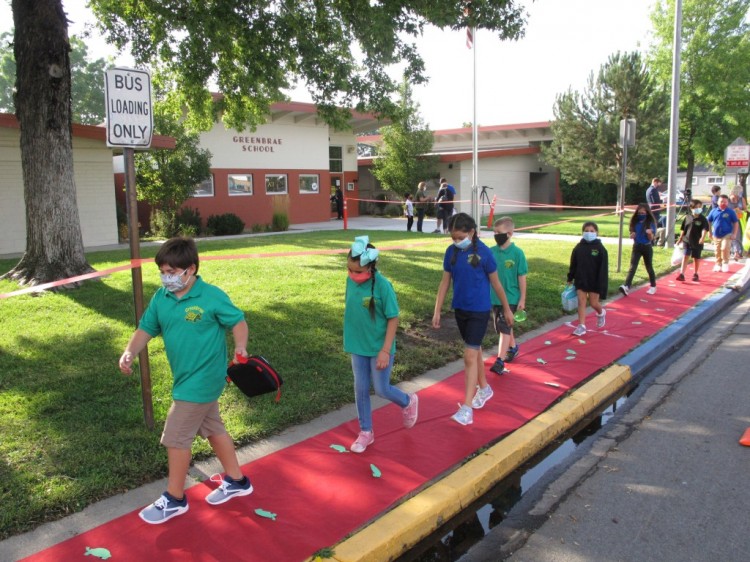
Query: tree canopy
[
  {"x": 714, "y": 74},
  {"x": 87, "y": 86},
  {"x": 586, "y": 128},
  {"x": 401, "y": 162},
  {"x": 252, "y": 51}
]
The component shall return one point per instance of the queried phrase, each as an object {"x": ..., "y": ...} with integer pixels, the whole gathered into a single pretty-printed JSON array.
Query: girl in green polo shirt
[{"x": 370, "y": 323}]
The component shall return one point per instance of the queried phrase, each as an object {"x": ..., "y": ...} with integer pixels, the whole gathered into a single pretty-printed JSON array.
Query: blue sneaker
[
  {"x": 228, "y": 489},
  {"x": 163, "y": 509},
  {"x": 499, "y": 367},
  {"x": 511, "y": 354}
]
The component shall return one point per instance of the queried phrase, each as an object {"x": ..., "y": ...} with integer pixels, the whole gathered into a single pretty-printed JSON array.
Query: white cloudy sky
[{"x": 516, "y": 81}]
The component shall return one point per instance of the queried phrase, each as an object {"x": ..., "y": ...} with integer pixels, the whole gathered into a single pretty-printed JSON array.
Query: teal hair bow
[{"x": 361, "y": 251}]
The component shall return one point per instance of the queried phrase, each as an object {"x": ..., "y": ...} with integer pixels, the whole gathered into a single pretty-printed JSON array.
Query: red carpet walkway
[{"x": 320, "y": 495}]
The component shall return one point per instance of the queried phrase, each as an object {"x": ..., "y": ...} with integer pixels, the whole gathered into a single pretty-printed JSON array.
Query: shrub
[
  {"x": 188, "y": 221},
  {"x": 279, "y": 222},
  {"x": 226, "y": 224},
  {"x": 163, "y": 224},
  {"x": 257, "y": 227}
]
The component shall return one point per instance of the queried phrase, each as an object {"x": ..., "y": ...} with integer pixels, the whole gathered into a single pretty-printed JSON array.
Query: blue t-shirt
[
  {"x": 471, "y": 285},
  {"x": 722, "y": 221},
  {"x": 640, "y": 232}
]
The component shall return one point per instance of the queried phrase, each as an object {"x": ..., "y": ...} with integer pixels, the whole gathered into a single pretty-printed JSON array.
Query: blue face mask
[
  {"x": 463, "y": 244},
  {"x": 641, "y": 218},
  {"x": 697, "y": 212},
  {"x": 589, "y": 236}
]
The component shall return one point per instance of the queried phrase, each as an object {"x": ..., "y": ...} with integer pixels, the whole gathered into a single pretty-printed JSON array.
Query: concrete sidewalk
[{"x": 663, "y": 480}]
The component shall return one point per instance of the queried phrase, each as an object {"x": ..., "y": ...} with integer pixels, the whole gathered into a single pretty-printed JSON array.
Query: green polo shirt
[
  {"x": 194, "y": 331},
  {"x": 511, "y": 264},
  {"x": 363, "y": 334}
]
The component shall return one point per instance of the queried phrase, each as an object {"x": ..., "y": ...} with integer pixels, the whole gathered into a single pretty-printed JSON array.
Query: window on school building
[
  {"x": 205, "y": 188},
  {"x": 715, "y": 180},
  {"x": 694, "y": 181},
  {"x": 240, "y": 185},
  {"x": 276, "y": 184},
  {"x": 335, "y": 159},
  {"x": 308, "y": 183}
]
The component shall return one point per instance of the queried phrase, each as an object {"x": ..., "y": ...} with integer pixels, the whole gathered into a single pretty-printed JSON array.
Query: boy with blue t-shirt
[
  {"x": 511, "y": 269},
  {"x": 724, "y": 228},
  {"x": 192, "y": 317}
]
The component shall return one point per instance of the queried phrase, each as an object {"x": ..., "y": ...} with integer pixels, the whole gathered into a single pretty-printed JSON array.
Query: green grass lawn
[{"x": 72, "y": 424}]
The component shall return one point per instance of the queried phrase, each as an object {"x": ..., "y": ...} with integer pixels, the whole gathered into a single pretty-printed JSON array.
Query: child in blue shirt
[
  {"x": 468, "y": 262},
  {"x": 642, "y": 230},
  {"x": 370, "y": 323},
  {"x": 724, "y": 228}
]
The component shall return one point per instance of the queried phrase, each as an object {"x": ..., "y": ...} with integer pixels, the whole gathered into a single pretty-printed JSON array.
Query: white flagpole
[
  {"x": 476, "y": 209},
  {"x": 674, "y": 125}
]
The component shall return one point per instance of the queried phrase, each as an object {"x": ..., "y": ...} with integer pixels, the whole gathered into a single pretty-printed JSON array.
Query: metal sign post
[{"x": 129, "y": 125}]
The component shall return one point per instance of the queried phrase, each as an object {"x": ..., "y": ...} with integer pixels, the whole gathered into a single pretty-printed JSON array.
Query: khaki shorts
[{"x": 185, "y": 420}]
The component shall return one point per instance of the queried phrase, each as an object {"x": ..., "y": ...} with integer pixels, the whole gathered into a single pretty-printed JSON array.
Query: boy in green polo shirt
[
  {"x": 511, "y": 269},
  {"x": 192, "y": 318}
]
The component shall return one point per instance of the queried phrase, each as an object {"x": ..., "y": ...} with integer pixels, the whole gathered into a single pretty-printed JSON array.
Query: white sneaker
[
  {"x": 601, "y": 318},
  {"x": 624, "y": 290},
  {"x": 464, "y": 416},
  {"x": 481, "y": 397},
  {"x": 725, "y": 268},
  {"x": 651, "y": 290},
  {"x": 580, "y": 330},
  {"x": 717, "y": 268}
]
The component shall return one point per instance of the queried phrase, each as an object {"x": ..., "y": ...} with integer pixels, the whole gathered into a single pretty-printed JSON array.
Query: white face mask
[
  {"x": 697, "y": 212},
  {"x": 174, "y": 282},
  {"x": 589, "y": 236}
]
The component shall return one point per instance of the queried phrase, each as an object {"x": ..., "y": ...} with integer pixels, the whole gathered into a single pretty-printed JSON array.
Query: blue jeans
[{"x": 365, "y": 371}]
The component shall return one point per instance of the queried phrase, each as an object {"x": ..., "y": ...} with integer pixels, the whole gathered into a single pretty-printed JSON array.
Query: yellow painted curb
[{"x": 397, "y": 531}]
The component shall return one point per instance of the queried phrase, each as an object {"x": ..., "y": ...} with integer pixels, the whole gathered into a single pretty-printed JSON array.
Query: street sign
[
  {"x": 130, "y": 119},
  {"x": 737, "y": 157}
]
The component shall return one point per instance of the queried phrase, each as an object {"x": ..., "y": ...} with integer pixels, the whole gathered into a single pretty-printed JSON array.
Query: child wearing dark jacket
[{"x": 589, "y": 273}]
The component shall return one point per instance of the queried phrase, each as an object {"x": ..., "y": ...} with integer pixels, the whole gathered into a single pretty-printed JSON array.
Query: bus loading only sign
[{"x": 130, "y": 119}]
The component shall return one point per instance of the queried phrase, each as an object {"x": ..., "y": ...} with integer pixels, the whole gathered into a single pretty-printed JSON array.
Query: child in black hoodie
[{"x": 589, "y": 269}]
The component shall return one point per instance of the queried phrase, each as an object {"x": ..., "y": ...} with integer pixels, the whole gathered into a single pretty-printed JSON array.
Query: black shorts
[
  {"x": 693, "y": 251},
  {"x": 472, "y": 326},
  {"x": 440, "y": 213},
  {"x": 501, "y": 326}
]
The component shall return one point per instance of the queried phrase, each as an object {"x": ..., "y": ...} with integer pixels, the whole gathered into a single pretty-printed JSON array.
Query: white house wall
[
  {"x": 274, "y": 146},
  {"x": 92, "y": 164}
]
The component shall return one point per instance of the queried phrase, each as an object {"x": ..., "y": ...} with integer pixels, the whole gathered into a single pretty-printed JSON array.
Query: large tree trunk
[{"x": 54, "y": 244}]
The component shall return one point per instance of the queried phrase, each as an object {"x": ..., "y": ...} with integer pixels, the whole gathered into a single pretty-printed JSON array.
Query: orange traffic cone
[{"x": 745, "y": 439}]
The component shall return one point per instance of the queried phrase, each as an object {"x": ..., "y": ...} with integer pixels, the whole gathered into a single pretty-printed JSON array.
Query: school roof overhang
[
  {"x": 493, "y": 141},
  {"x": 304, "y": 112},
  {"x": 93, "y": 132}
]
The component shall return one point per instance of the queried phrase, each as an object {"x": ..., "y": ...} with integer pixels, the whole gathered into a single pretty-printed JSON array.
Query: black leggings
[{"x": 647, "y": 251}]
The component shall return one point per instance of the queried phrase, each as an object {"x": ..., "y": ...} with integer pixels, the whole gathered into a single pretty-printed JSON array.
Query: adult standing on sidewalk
[
  {"x": 420, "y": 199},
  {"x": 653, "y": 198}
]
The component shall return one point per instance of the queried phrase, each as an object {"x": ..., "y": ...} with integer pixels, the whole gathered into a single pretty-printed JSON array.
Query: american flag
[{"x": 469, "y": 37}]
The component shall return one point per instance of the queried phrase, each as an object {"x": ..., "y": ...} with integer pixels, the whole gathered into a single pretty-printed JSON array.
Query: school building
[
  {"x": 92, "y": 168},
  {"x": 508, "y": 163},
  {"x": 293, "y": 162}
]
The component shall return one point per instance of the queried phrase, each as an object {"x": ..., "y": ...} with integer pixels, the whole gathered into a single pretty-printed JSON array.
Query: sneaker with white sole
[
  {"x": 364, "y": 439},
  {"x": 163, "y": 509},
  {"x": 651, "y": 290},
  {"x": 481, "y": 397},
  {"x": 725, "y": 268},
  {"x": 601, "y": 319},
  {"x": 411, "y": 411},
  {"x": 717, "y": 268},
  {"x": 228, "y": 489},
  {"x": 580, "y": 330},
  {"x": 464, "y": 416},
  {"x": 624, "y": 290}
]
